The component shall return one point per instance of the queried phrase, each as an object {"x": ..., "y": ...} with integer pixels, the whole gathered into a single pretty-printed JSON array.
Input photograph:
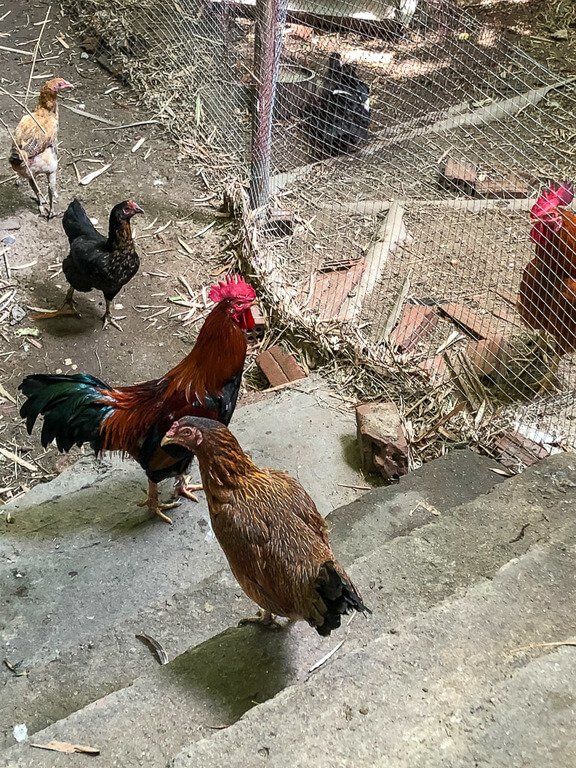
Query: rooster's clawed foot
[{"x": 183, "y": 487}]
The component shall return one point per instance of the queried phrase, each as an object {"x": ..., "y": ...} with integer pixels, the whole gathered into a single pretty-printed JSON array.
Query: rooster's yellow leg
[{"x": 153, "y": 503}]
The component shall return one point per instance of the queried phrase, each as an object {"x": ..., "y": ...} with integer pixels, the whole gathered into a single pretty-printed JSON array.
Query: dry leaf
[{"x": 67, "y": 748}]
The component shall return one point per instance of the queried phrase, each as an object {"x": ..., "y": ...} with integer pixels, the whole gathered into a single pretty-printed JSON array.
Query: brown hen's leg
[
  {"x": 52, "y": 193},
  {"x": 68, "y": 309},
  {"x": 263, "y": 617},
  {"x": 108, "y": 319},
  {"x": 183, "y": 487},
  {"x": 153, "y": 503},
  {"x": 36, "y": 190}
]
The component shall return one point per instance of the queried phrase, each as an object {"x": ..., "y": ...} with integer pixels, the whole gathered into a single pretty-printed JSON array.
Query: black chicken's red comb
[{"x": 233, "y": 287}]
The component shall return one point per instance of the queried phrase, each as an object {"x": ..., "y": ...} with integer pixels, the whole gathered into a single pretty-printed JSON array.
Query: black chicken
[
  {"x": 340, "y": 117},
  {"x": 97, "y": 262}
]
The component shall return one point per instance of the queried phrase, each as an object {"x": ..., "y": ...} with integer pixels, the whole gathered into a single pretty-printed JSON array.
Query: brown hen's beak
[{"x": 65, "y": 86}]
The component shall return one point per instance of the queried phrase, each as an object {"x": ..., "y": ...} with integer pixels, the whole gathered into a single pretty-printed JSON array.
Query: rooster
[
  {"x": 547, "y": 296},
  {"x": 81, "y": 409},
  {"x": 95, "y": 261},
  {"x": 274, "y": 538},
  {"x": 341, "y": 115},
  {"x": 34, "y": 151}
]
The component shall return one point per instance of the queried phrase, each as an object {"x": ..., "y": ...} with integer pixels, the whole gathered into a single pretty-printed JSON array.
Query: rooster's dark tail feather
[
  {"x": 339, "y": 596},
  {"x": 71, "y": 405}
]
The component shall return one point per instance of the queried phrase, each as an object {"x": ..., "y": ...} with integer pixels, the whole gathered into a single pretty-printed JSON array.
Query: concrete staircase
[{"x": 459, "y": 568}]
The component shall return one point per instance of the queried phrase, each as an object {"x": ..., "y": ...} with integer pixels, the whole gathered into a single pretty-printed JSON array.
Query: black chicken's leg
[
  {"x": 68, "y": 309},
  {"x": 108, "y": 319}
]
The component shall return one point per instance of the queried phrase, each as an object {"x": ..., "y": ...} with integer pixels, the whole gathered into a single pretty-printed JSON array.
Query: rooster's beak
[{"x": 166, "y": 440}]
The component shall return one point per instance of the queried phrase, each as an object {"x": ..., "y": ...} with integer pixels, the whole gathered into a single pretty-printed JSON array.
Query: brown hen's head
[
  {"x": 57, "y": 84},
  {"x": 237, "y": 296},
  {"x": 190, "y": 432}
]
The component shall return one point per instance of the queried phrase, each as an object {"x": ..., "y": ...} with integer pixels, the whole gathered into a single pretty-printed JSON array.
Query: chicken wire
[{"x": 357, "y": 218}]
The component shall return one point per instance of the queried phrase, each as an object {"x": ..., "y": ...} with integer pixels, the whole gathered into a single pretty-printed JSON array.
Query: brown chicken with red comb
[
  {"x": 81, "y": 409},
  {"x": 547, "y": 296}
]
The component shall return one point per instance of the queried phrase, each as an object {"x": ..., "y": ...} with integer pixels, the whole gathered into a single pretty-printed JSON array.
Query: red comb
[
  {"x": 551, "y": 198},
  {"x": 233, "y": 287}
]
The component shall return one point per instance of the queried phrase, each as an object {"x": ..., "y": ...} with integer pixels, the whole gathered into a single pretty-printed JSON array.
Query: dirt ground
[
  {"x": 182, "y": 241},
  {"x": 170, "y": 190}
]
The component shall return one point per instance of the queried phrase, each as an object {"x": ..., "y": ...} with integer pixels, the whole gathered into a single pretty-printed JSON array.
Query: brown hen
[
  {"x": 34, "y": 151},
  {"x": 274, "y": 538}
]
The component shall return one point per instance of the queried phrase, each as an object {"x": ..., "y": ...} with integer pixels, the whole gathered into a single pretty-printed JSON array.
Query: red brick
[
  {"x": 331, "y": 290},
  {"x": 459, "y": 175},
  {"x": 510, "y": 186},
  {"x": 416, "y": 322},
  {"x": 517, "y": 451},
  {"x": 279, "y": 367},
  {"x": 472, "y": 321}
]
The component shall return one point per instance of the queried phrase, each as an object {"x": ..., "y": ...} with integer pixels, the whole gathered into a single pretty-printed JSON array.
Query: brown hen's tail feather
[{"x": 339, "y": 595}]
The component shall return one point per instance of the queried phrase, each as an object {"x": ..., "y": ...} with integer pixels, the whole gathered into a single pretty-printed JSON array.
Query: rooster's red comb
[
  {"x": 551, "y": 198},
  {"x": 233, "y": 287}
]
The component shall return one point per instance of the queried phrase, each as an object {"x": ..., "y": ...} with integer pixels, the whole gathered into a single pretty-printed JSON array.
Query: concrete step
[
  {"x": 112, "y": 659},
  {"x": 447, "y": 687},
  {"x": 81, "y": 555},
  {"x": 212, "y": 685}
]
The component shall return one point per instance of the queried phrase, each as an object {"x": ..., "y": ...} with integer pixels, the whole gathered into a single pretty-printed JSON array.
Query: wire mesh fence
[{"x": 394, "y": 151}]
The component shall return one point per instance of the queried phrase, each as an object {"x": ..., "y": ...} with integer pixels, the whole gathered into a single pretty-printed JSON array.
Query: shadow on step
[
  {"x": 235, "y": 670},
  {"x": 111, "y": 507}
]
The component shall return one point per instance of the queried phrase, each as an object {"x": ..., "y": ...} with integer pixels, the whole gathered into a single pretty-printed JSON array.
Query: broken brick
[
  {"x": 279, "y": 367},
  {"x": 332, "y": 290},
  {"x": 470, "y": 320},
  {"x": 486, "y": 355},
  {"x": 510, "y": 186},
  {"x": 459, "y": 175},
  {"x": 381, "y": 439},
  {"x": 416, "y": 322},
  {"x": 435, "y": 367},
  {"x": 517, "y": 451}
]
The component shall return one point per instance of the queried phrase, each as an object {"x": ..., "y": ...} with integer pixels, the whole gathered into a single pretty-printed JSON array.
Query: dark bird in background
[
  {"x": 547, "y": 295},
  {"x": 340, "y": 117},
  {"x": 96, "y": 262},
  {"x": 34, "y": 150},
  {"x": 80, "y": 408},
  {"x": 274, "y": 538}
]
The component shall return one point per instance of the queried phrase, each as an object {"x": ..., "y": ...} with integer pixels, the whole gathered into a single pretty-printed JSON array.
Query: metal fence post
[{"x": 270, "y": 20}]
